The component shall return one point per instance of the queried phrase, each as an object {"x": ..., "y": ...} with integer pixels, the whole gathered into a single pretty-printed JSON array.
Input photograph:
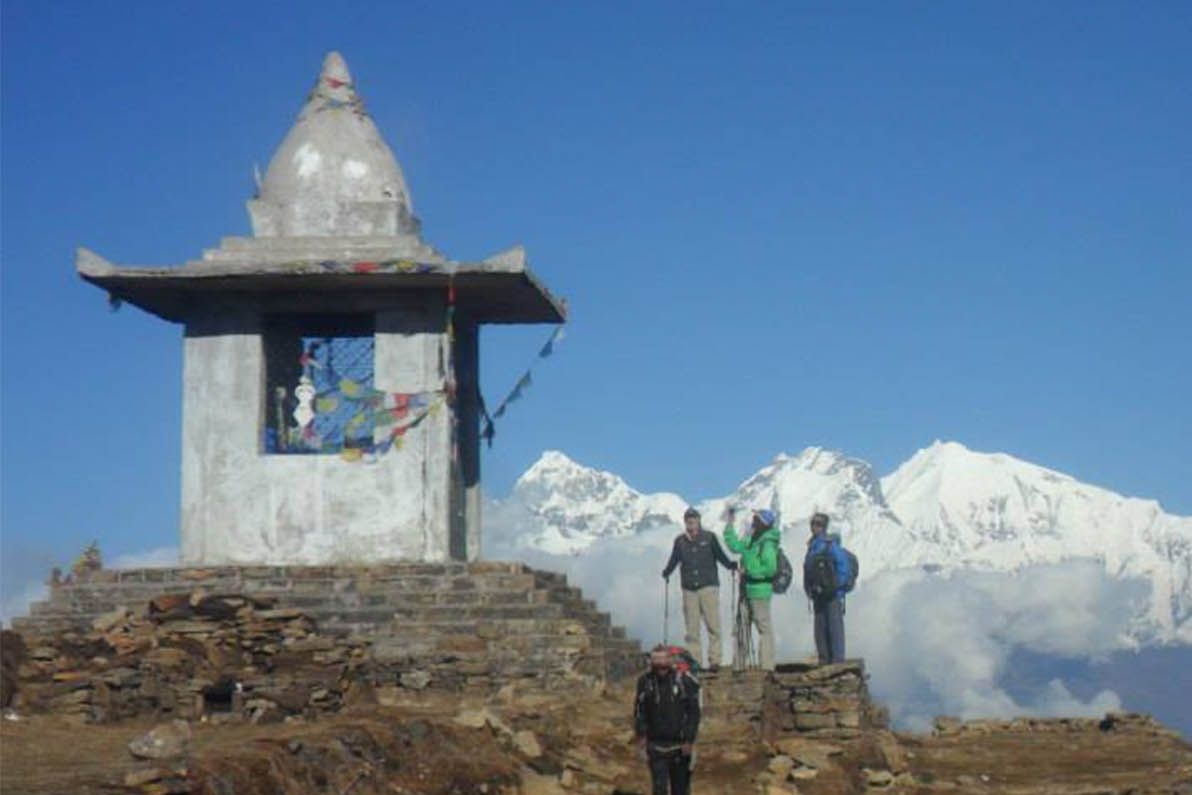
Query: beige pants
[
  {"x": 703, "y": 603},
  {"x": 759, "y": 616}
]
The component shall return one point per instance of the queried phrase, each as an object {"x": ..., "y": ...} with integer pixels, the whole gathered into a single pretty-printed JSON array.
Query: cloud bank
[{"x": 934, "y": 644}]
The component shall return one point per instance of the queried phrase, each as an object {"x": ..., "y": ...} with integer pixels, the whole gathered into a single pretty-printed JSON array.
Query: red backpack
[{"x": 685, "y": 662}]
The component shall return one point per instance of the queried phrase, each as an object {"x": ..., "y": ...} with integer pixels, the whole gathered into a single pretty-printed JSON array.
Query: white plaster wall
[{"x": 242, "y": 506}]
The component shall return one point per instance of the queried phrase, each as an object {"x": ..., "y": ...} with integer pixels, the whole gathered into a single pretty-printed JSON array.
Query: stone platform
[
  {"x": 828, "y": 702},
  {"x": 457, "y": 626}
]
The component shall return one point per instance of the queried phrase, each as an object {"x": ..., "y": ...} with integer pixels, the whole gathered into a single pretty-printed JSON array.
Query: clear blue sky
[{"x": 864, "y": 226}]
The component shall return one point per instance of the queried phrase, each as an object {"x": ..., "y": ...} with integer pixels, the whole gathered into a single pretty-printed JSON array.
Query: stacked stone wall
[
  {"x": 271, "y": 642},
  {"x": 798, "y": 700},
  {"x": 829, "y": 701}
]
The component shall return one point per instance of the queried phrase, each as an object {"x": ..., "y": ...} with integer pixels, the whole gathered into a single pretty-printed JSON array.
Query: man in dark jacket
[
  {"x": 825, "y": 572},
  {"x": 696, "y": 553},
  {"x": 666, "y": 722}
]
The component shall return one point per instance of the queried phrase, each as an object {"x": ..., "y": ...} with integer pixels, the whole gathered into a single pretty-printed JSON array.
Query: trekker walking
[
  {"x": 759, "y": 559},
  {"x": 825, "y": 577},
  {"x": 666, "y": 722},
  {"x": 696, "y": 552}
]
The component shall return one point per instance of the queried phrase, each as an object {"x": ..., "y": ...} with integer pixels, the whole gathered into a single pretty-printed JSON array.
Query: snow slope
[
  {"x": 572, "y": 506},
  {"x": 991, "y": 510},
  {"x": 946, "y": 508}
]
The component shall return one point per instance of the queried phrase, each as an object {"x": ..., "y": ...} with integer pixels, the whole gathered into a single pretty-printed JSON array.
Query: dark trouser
[
  {"x": 670, "y": 767},
  {"x": 829, "y": 631}
]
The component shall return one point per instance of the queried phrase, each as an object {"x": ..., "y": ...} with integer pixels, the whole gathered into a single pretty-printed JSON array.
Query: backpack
[
  {"x": 785, "y": 574},
  {"x": 685, "y": 662},
  {"x": 819, "y": 575},
  {"x": 819, "y": 572},
  {"x": 854, "y": 570}
]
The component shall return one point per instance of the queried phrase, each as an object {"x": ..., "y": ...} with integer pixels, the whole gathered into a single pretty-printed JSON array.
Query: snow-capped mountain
[
  {"x": 819, "y": 480},
  {"x": 995, "y": 511},
  {"x": 945, "y": 508},
  {"x": 572, "y": 506}
]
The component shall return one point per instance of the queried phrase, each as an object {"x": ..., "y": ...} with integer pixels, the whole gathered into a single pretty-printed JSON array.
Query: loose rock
[{"x": 165, "y": 741}]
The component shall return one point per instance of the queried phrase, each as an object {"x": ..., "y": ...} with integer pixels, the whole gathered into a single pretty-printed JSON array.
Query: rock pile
[
  {"x": 218, "y": 654},
  {"x": 192, "y": 656},
  {"x": 820, "y": 700},
  {"x": 447, "y": 626}
]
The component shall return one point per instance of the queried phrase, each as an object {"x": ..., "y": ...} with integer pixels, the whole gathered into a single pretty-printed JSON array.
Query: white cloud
[
  {"x": 939, "y": 644},
  {"x": 17, "y": 603},
  {"x": 934, "y": 644},
  {"x": 23, "y": 593}
]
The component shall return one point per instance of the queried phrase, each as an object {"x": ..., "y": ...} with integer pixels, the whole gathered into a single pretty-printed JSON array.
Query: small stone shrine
[
  {"x": 331, "y": 408},
  {"x": 330, "y": 472}
]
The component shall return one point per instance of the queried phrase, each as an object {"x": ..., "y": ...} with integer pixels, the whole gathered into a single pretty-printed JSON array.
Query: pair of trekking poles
[{"x": 744, "y": 653}]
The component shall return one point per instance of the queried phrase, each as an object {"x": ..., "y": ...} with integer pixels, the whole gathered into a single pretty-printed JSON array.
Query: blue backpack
[{"x": 820, "y": 579}]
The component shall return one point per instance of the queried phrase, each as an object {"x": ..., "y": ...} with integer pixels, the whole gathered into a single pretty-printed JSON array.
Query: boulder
[
  {"x": 479, "y": 718},
  {"x": 527, "y": 744},
  {"x": 415, "y": 680},
  {"x": 780, "y": 766},
  {"x": 164, "y": 741},
  {"x": 808, "y": 753},
  {"x": 891, "y": 752},
  {"x": 878, "y": 779}
]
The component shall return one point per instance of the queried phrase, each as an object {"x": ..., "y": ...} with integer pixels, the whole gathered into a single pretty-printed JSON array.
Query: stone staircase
[{"x": 475, "y": 624}]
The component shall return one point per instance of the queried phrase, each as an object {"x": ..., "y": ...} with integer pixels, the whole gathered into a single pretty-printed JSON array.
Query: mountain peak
[
  {"x": 550, "y": 460},
  {"x": 946, "y": 507},
  {"x": 575, "y": 505}
]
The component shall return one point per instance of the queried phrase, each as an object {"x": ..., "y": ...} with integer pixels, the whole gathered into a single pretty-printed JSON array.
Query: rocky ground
[
  {"x": 233, "y": 695},
  {"x": 559, "y": 743}
]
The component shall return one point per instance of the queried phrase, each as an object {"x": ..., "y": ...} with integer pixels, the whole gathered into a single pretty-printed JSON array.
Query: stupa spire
[{"x": 333, "y": 175}]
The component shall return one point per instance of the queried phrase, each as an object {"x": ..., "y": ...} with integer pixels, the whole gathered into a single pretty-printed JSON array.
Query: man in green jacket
[{"x": 759, "y": 561}]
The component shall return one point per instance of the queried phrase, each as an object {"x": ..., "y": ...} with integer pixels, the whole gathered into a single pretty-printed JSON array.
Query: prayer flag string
[{"x": 488, "y": 430}]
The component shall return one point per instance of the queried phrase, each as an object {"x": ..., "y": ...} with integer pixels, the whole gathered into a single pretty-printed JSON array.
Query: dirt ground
[{"x": 440, "y": 744}]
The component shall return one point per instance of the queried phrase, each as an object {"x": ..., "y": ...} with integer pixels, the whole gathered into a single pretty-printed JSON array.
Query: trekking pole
[
  {"x": 736, "y": 611},
  {"x": 747, "y": 629},
  {"x": 666, "y": 611}
]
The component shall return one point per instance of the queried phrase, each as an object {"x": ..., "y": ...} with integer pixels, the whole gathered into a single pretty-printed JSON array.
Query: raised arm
[
  {"x": 732, "y": 541},
  {"x": 718, "y": 553}
]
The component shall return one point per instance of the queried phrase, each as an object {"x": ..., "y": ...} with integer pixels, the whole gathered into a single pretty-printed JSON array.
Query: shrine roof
[{"x": 350, "y": 278}]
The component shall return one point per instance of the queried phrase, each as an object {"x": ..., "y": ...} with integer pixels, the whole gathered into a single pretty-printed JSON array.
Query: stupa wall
[{"x": 242, "y": 505}]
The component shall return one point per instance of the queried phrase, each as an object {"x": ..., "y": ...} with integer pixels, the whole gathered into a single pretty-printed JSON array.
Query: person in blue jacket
[{"x": 825, "y": 572}]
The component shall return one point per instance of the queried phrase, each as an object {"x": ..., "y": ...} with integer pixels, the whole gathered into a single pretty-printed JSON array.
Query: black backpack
[
  {"x": 785, "y": 574},
  {"x": 819, "y": 575},
  {"x": 819, "y": 572}
]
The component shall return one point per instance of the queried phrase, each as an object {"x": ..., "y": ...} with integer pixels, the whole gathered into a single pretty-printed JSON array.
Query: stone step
[
  {"x": 476, "y": 623},
  {"x": 94, "y": 603},
  {"x": 198, "y": 573},
  {"x": 131, "y": 589},
  {"x": 373, "y": 621}
]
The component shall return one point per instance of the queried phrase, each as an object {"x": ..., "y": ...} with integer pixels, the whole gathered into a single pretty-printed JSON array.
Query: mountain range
[{"x": 946, "y": 508}]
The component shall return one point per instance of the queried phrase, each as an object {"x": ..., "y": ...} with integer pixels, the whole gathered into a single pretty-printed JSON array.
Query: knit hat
[{"x": 767, "y": 517}]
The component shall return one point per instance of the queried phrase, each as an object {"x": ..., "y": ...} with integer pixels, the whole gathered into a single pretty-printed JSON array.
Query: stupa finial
[{"x": 333, "y": 175}]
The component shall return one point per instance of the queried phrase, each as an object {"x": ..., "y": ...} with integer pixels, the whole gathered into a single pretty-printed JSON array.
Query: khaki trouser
[
  {"x": 706, "y": 603},
  {"x": 759, "y": 616}
]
